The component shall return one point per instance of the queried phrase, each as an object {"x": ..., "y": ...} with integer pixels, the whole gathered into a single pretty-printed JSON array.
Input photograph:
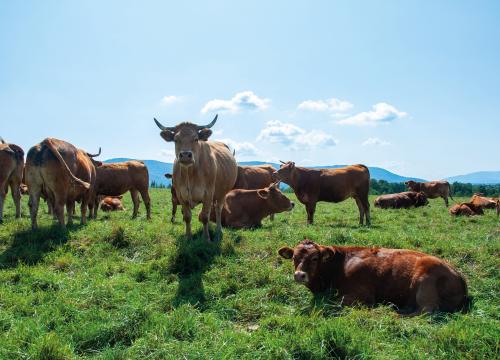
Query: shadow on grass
[
  {"x": 30, "y": 246},
  {"x": 193, "y": 258}
]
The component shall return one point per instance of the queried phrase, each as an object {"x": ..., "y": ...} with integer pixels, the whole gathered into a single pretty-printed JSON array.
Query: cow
[
  {"x": 204, "y": 172},
  {"x": 401, "y": 200},
  {"x": 432, "y": 189},
  {"x": 411, "y": 280},
  {"x": 115, "y": 179},
  {"x": 332, "y": 185},
  {"x": 175, "y": 201},
  {"x": 64, "y": 174},
  {"x": 112, "y": 203},
  {"x": 466, "y": 209},
  {"x": 246, "y": 208},
  {"x": 485, "y": 202},
  {"x": 11, "y": 174}
]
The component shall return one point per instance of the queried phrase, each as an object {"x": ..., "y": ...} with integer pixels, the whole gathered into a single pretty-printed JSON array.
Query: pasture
[{"x": 129, "y": 289}]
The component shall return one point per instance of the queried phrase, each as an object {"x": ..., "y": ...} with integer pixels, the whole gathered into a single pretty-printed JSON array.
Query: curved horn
[
  {"x": 95, "y": 155},
  {"x": 281, "y": 161},
  {"x": 163, "y": 127},
  {"x": 209, "y": 125}
]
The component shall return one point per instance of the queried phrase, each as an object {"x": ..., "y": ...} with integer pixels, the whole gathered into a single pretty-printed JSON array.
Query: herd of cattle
[{"x": 241, "y": 197}]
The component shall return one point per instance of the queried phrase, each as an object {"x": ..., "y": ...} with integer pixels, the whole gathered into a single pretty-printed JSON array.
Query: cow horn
[
  {"x": 209, "y": 125},
  {"x": 163, "y": 127},
  {"x": 95, "y": 155},
  {"x": 2, "y": 141},
  {"x": 281, "y": 161}
]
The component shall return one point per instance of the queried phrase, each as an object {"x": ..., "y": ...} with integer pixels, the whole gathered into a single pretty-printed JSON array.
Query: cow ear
[
  {"x": 263, "y": 193},
  {"x": 167, "y": 135},
  {"x": 204, "y": 134},
  {"x": 286, "y": 252},
  {"x": 326, "y": 253}
]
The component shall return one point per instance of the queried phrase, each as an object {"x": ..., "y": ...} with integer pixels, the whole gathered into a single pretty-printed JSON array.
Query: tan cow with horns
[{"x": 204, "y": 171}]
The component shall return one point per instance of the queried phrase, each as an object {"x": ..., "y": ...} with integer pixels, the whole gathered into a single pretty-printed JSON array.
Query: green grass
[{"x": 133, "y": 289}]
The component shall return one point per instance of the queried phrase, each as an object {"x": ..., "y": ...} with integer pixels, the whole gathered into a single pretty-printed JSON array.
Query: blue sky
[{"x": 412, "y": 86}]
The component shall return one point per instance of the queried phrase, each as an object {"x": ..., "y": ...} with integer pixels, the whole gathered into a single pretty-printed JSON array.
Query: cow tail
[{"x": 56, "y": 153}]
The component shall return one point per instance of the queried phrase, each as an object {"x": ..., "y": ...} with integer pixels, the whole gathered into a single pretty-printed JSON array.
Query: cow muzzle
[
  {"x": 186, "y": 158},
  {"x": 301, "y": 277}
]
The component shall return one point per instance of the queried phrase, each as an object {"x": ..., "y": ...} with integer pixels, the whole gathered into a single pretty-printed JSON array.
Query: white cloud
[
  {"x": 243, "y": 149},
  {"x": 373, "y": 141},
  {"x": 333, "y": 105},
  {"x": 294, "y": 137},
  {"x": 381, "y": 113},
  {"x": 169, "y": 100},
  {"x": 245, "y": 100}
]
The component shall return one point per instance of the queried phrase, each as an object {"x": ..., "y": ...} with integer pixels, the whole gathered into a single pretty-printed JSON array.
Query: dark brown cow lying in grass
[
  {"x": 112, "y": 203},
  {"x": 405, "y": 278},
  {"x": 246, "y": 208},
  {"x": 402, "y": 200}
]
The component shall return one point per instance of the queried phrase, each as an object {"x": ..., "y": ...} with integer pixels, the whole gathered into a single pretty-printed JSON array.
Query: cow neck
[{"x": 331, "y": 273}]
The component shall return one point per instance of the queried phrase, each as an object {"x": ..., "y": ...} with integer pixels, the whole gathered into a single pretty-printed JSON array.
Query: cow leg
[
  {"x": 59, "y": 210},
  {"x": 174, "y": 210},
  {"x": 204, "y": 217},
  {"x": 445, "y": 200},
  {"x": 361, "y": 210},
  {"x": 96, "y": 207},
  {"x": 3, "y": 193},
  {"x": 367, "y": 212},
  {"x": 218, "y": 218},
  {"x": 310, "y": 208},
  {"x": 16, "y": 196},
  {"x": 83, "y": 209},
  {"x": 135, "y": 200},
  {"x": 186, "y": 213},
  {"x": 147, "y": 203},
  {"x": 271, "y": 217},
  {"x": 70, "y": 209},
  {"x": 34, "y": 203}
]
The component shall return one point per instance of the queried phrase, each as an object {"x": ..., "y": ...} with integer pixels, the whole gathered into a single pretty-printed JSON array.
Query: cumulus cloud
[
  {"x": 373, "y": 141},
  {"x": 244, "y": 149},
  {"x": 333, "y": 105},
  {"x": 381, "y": 113},
  {"x": 245, "y": 100},
  {"x": 169, "y": 99},
  {"x": 294, "y": 137}
]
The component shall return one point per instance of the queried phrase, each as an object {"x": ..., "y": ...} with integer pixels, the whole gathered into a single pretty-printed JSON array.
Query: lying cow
[
  {"x": 112, "y": 203},
  {"x": 466, "y": 209},
  {"x": 486, "y": 203},
  {"x": 402, "y": 200},
  {"x": 332, "y": 185},
  {"x": 175, "y": 201},
  {"x": 246, "y": 208},
  {"x": 11, "y": 173},
  {"x": 405, "y": 278},
  {"x": 432, "y": 189}
]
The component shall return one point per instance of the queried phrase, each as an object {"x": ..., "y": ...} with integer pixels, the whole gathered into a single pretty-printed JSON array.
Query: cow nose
[
  {"x": 186, "y": 155},
  {"x": 300, "y": 277}
]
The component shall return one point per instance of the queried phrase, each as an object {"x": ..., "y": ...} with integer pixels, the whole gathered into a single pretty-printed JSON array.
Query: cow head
[
  {"x": 412, "y": 185},
  {"x": 308, "y": 258},
  {"x": 275, "y": 199},
  {"x": 187, "y": 137},
  {"x": 421, "y": 199},
  {"x": 285, "y": 172}
]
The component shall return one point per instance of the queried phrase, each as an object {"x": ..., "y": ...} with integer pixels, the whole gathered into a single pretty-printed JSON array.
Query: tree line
[{"x": 380, "y": 187}]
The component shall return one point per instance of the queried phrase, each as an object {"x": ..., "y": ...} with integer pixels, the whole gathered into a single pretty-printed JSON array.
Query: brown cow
[
  {"x": 246, "y": 208},
  {"x": 204, "y": 171},
  {"x": 11, "y": 174},
  {"x": 115, "y": 179},
  {"x": 112, "y": 203},
  {"x": 332, "y": 185},
  {"x": 64, "y": 174},
  {"x": 405, "y": 278},
  {"x": 432, "y": 189},
  {"x": 485, "y": 202},
  {"x": 466, "y": 209},
  {"x": 401, "y": 200},
  {"x": 175, "y": 201}
]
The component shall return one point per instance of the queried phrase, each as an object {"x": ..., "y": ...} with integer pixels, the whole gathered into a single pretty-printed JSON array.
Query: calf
[
  {"x": 405, "y": 278},
  {"x": 432, "y": 189},
  {"x": 112, "y": 203},
  {"x": 175, "y": 201},
  {"x": 246, "y": 208},
  {"x": 466, "y": 209},
  {"x": 11, "y": 173},
  {"x": 402, "y": 200}
]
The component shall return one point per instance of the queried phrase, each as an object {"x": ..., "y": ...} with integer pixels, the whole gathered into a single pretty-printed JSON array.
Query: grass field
[{"x": 136, "y": 289}]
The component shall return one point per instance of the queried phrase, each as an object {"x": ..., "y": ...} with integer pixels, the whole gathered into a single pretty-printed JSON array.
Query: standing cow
[
  {"x": 433, "y": 189},
  {"x": 115, "y": 179},
  {"x": 332, "y": 185},
  {"x": 204, "y": 171},
  {"x": 11, "y": 174},
  {"x": 64, "y": 174}
]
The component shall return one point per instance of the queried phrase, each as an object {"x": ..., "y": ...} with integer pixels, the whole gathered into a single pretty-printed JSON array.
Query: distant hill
[
  {"x": 158, "y": 168},
  {"x": 479, "y": 177}
]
